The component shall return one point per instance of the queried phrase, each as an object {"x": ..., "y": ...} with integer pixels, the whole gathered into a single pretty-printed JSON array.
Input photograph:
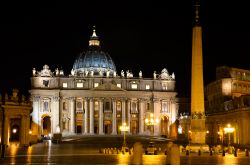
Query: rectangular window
[
  {"x": 65, "y": 85},
  {"x": 134, "y": 86},
  {"x": 119, "y": 85},
  {"x": 147, "y": 87},
  {"x": 79, "y": 85},
  {"x": 96, "y": 84}
]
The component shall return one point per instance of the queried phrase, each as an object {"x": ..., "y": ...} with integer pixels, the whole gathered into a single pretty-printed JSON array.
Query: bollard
[
  {"x": 166, "y": 152},
  {"x": 211, "y": 152},
  {"x": 246, "y": 152},
  {"x": 223, "y": 152},
  {"x": 187, "y": 153},
  {"x": 199, "y": 152},
  {"x": 235, "y": 153}
]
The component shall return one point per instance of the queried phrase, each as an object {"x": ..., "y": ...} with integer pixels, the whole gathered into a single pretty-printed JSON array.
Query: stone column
[
  {"x": 129, "y": 115},
  {"x": 55, "y": 110},
  {"x": 114, "y": 130},
  {"x": 156, "y": 116},
  {"x": 86, "y": 116},
  {"x": 101, "y": 117},
  {"x": 91, "y": 116},
  {"x": 141, "y": 117},
  {"x": 72, "y": 115},
  {"x": 23, "y": 132},
  {"x": 35, "y": 116},
  {"x": 6, "y": 130},
  {"x": 123, "y": 111}
]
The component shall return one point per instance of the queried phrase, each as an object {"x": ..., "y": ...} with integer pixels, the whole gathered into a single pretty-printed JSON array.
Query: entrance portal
[
  {"x": 107, "y": 127},
  {"x": 79, "y": 129},
  {"x": 15, "y": 133},
  {"x": 164, "y": 125},
  {"x": 46, "y": 125}
]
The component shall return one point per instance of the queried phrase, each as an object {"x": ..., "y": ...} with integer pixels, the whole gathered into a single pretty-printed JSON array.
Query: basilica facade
[{"x": 96, "y": 100}]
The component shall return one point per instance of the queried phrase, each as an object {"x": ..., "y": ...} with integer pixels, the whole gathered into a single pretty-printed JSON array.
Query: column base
[{"x": 114, "y": 133}]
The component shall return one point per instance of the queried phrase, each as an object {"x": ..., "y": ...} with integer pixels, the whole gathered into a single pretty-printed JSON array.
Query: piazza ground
[{"x": 85, "y": 150}]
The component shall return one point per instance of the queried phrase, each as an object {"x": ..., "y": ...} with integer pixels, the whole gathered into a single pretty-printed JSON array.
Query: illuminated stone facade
[
  {"x": 15, "y": 119},
  {"x": 228, "y": 102},
  {"x": 94, "y": 99}
]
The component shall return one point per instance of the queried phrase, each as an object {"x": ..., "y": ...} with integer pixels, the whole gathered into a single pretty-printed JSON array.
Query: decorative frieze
[{"x": 198, "y": 115}]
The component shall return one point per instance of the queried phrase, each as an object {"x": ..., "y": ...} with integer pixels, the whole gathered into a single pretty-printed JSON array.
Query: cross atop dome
[{"x": 94, "y": 41}]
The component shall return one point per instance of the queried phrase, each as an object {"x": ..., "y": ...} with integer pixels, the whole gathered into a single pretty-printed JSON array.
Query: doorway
[
  {"x": 46, "y": 122},
  {"x": 164, "y": 126}
]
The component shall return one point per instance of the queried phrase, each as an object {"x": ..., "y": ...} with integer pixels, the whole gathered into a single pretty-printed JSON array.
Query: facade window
[
  {"x": 65, "y": 85},
  {"x": 107, "y": 106},
  {"x": 96, "y": 84},
  {"x": 164, "y": 107},
  {"x": 134, "y": 108},
  {"x": 45, "y": 106},
  {"x": 46, "y": 83},
  {"x": 134, "y": 86},
  {"x": 119, "y": 85},
  {"x": 147, "y": 87},
  {"x": 96, "y": 106},
  {"x": 118, "y": 106},
  {"x": 79, "y": 85},
  {"x": 148, "y": 106}
]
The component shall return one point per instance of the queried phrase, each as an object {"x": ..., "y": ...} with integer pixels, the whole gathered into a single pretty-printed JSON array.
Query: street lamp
[
  {"x": 151, "y": 121},
  {"x": 124, "y": 128},
  {"x": 229, "y": 130}
]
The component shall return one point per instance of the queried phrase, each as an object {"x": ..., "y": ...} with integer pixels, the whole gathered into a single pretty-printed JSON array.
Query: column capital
[
  {"x": 156, "y": 100},
  {"x": 35, "y": 98},
  {"x": 55, "y": 98},
  {"x": 72, "y": 98}
]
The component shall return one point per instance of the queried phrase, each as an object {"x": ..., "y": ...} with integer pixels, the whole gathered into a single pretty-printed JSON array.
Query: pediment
[{"x": 107, "y": 87}]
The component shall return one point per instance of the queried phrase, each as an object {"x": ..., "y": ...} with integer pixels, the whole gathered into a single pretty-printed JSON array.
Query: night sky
[{"x": 146, "y": 36}]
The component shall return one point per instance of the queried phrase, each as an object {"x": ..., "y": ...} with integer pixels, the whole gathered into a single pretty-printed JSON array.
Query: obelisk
[{"x": 198, "y": 132}]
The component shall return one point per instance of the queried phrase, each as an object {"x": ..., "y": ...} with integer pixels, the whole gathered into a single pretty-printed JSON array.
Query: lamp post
[
  {"x": 124, "y": 128},
  {"x": 151, "y": 122},
  {"x": 229, "y": 130}
]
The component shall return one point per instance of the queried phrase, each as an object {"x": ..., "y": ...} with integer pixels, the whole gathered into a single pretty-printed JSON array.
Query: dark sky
[{"x": 143, "y": 36}]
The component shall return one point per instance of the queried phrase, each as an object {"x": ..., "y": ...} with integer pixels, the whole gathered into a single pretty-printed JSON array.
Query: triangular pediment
[{"x": 108, "y": 87}]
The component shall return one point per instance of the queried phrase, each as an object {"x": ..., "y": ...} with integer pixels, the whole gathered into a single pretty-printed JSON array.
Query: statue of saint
[
  {"x": 114, "y": 73},
  {"x": 128, "y": 74},
  {"x": 72, "y": 72},
  {"x": 122, "y": 73},
  {"x": 154, "y": 74},
  {"x": 140, "y": 74},
  {"x": 107, "y": 73},
  {"x": 34, "y": 72},
  {"x": 173, "y": 76},
  {"x": 57, "y": 71},
  {"x": 86, "y": 73},
  {"x": 91, "y": 73},
  {"x": 100, "y": 73}
]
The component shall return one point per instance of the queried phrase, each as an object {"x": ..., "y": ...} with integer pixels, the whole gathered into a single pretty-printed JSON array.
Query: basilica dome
[{"x": 94, "y": 62}]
